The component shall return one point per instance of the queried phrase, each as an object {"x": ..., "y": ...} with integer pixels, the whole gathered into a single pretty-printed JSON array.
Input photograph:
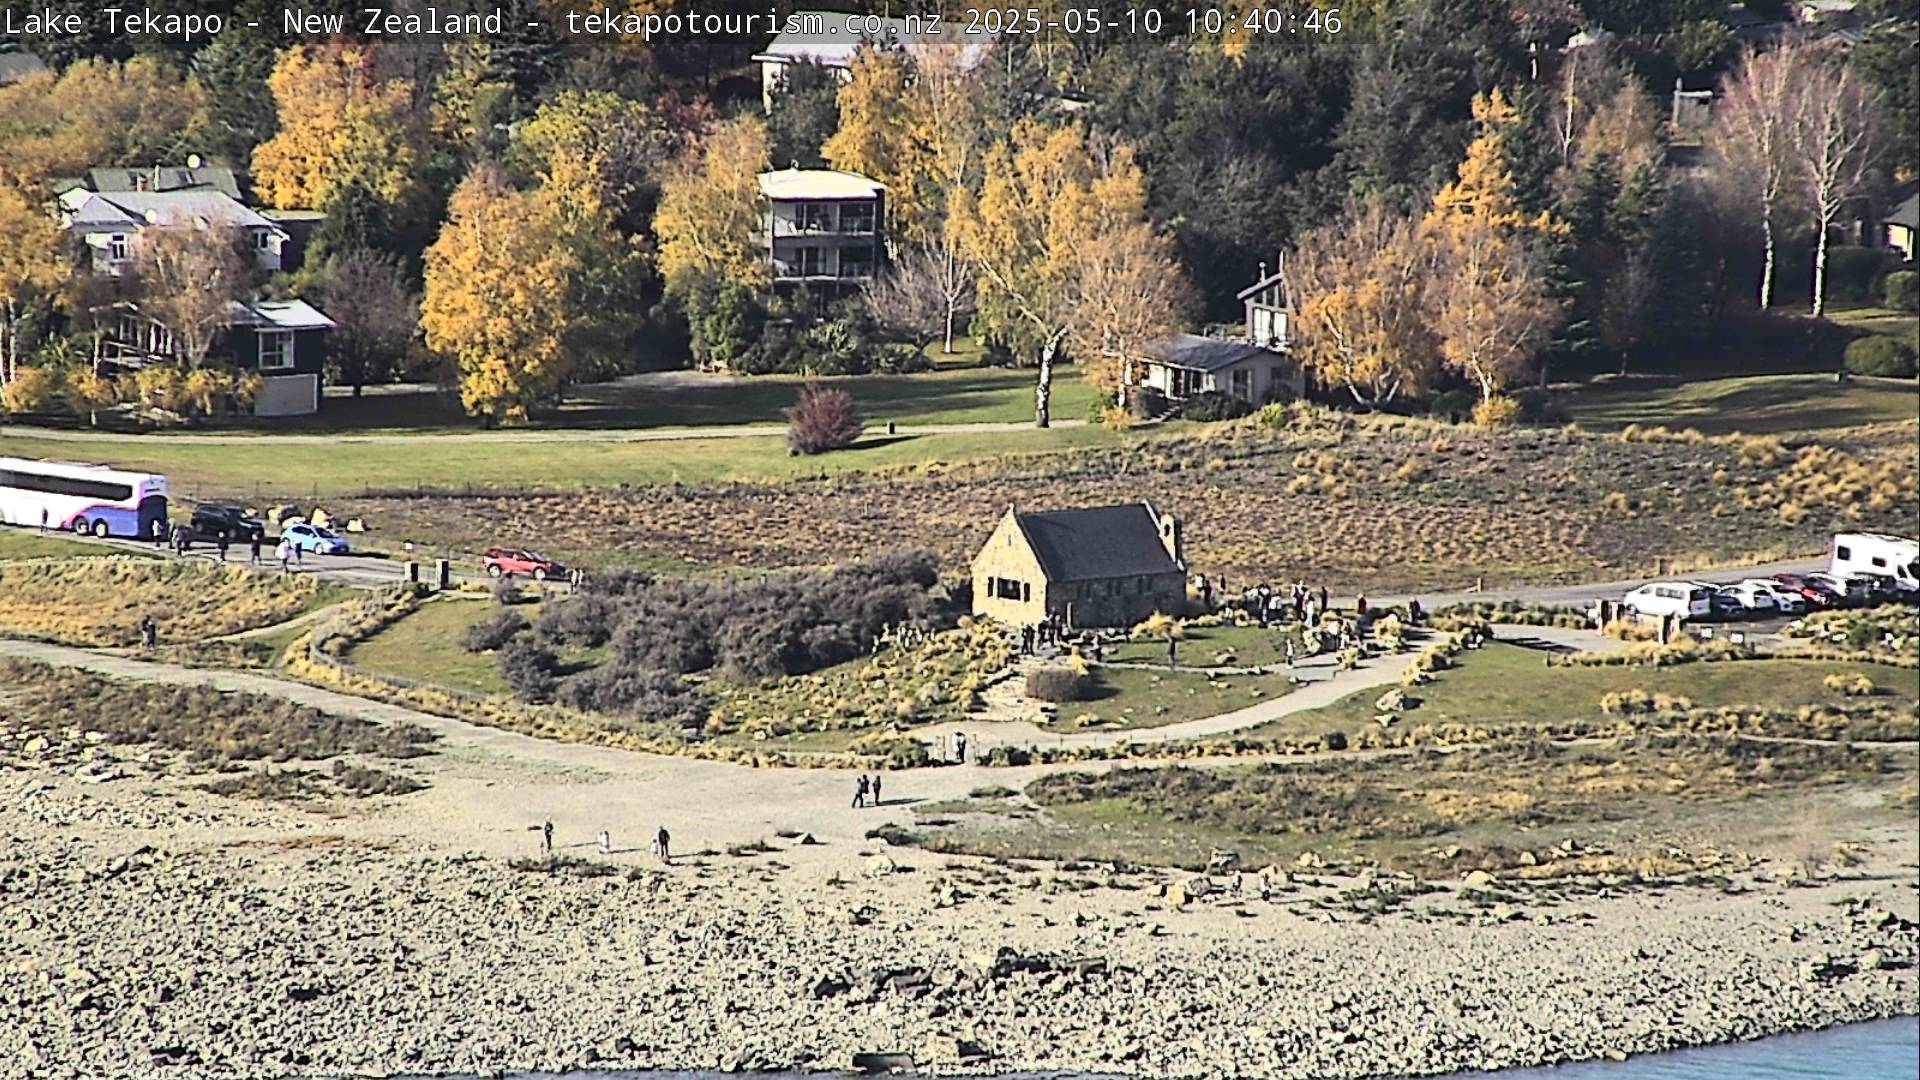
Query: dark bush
[
  {"x": 1210, "y": 405},
  {"x": 1147, "y": 402},
  {"x": 898, "y": 358},
  {"x": 506, "y": 591},
  {"x": 1903, "y": 291},
  {"x": 583, "y": 621},
  {"x": 822, "y": 420},
  {"x": 1850, "y": 272},
  {"x": 1881, "y": 355},
  {"x": 1452, "y": 404},
  {"x": 491, "y": 633},
  {"x": 645, "y": 695},
  {"x": 532, "y": 671},
  {"x": 1334, "y": 740},
  {"x": 1058, "y": 684}
]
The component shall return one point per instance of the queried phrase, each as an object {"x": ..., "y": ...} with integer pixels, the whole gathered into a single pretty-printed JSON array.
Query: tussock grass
[{"x": 99, "y": 602}]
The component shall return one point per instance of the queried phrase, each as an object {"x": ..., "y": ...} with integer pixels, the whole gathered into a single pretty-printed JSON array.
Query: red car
[
  {"x": 1817, "y": 594},
  {"x": 503, "y": 561}
]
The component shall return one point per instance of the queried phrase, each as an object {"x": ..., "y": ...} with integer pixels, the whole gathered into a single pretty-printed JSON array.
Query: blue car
[{"x": 314, "y": 539}]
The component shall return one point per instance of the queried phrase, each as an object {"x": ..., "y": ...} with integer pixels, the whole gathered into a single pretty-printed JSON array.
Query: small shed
[{"x": 1102, "y": 566}]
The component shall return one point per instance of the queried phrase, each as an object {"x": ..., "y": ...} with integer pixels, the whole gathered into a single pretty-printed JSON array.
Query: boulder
[
  {"x": 880, "y": 866},
  {"x": 1392, "y": 701},
  {"x": 1477, "y": 879}
]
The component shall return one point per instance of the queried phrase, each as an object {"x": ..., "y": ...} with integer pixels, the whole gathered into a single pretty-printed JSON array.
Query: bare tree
[
  {"x": 1753, "y": 136},
  {"x": 376, "y": 315},
  {"x": 1621, "y": 319},
  {"x": 928, "y": 289},
  {"x": 189, "y": 279},
  {"x": 1129, "y": 291},
  {"x": 1590, "y": 76},
  {"x": 1833, "y": 147}
]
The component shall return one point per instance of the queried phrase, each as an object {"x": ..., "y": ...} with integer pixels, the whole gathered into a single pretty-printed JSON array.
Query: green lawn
[
  {"x": 425, "y": 645},
  {"x": 274, "y": 471},
  {"x": 1126, "y": 698},
  {"x": 1879, "y": 320},
  {"x": 1250, "y": 646},
  {"x": 1505, "y": 684},
  {"x": 1757, "y": 404}
]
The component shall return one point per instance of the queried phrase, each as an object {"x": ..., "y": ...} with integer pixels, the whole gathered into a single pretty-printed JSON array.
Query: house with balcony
[
  {"x": 283, "y": 341},
  {"x": 1253, "y": 366},
  {"x": 109, "y": 223},
  {"x": 823, "y": 229}
]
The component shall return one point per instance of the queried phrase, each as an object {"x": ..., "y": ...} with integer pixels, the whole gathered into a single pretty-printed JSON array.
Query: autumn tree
[
  {"x": 497, "y": 280},
  {"x": 340, "y": 120},
  {"x": 875, "y": 137},
  {"x": 31, "y": 267},
  {"x": 96, "y": 112},
  {"x": 1487, "y": 296},
  {"x": 596, "y": 147},
  {"x": 923, "y": 294},
  {"x": 1128, "y": 290},
  {"x": 709, "y": 213},
  {"x": 87, "y": 391},
  {"x": 1357, "y": 286},
  {"x": 188, "y": 280},
  {"x": 1045, "y": 197},
  {"x": 1754, "y": 123},
  {"x": 375, "y": 317},
  {"x": 1833, "y": 148}
]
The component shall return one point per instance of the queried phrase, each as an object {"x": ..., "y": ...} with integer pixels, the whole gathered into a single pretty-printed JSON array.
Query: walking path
[{"x": 559, "y": 435}]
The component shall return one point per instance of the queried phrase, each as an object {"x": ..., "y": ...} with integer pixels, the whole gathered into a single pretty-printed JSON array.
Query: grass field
[
  {"x": 1202, "y": 646},
  {"x": 1758, "y": 404},
  {"x": 1126, "y": 699},
  {"x": 425, "y": 645},
  {"x": 1506, "y": 684},
  {"x": 27, "y": 543},
  {"x": 98, "y": 602},
  {"x": 272, "y": 471},
  {"x": 1879, "y": 320}
]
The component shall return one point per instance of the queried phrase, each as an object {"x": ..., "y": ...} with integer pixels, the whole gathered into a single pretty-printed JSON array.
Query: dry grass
[
  {"x": 1349, "y": 504},
  {"x": 96, "y": 602}
]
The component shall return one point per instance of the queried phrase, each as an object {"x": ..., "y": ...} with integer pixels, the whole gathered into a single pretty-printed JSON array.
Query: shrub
[
  {"x": 1058, "y": 684},
  {"x": 1147, "y": 402},
  {"x": 1496, "y": 412},
  {"x": 898, "y": 358},
  {"x": 1903, "y": 291},
  {"x": 646, "y": 695},
  {"x": 1212, "y": 405},
  {"x": 507, "y": 592},
  {"x": 822, "y": 420},
  {"x": 584, "y": 621},
  {"x": 1881, "y": 355},
  {"x": 1850, "y": 272},
  {"x": 1116, "y": 419},
  {"x": 491, "y": 633},
  {"x": 532, "y": 671},
  {"x": 1453, "y": 404}
]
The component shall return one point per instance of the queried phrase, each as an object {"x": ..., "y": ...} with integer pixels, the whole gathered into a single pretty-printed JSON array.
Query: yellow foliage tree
[
  {"x": 876, "y": 136},
  {"x": 31, "y": 390},
  {"x": 1129, "y": 291},
  {"x": 1045, "y": 199},
  {"x": 30, "y": 265},
  {"x": 1359, "y": 319},
  {"x": 160, "y": 386},
  {"x": 709, "y": 213},
  {"x": 339, "y": 121},
  {"x": 88, "y": 391},
  {"x": 497, "y": 281},
  {"x": 96, "y": 112}
]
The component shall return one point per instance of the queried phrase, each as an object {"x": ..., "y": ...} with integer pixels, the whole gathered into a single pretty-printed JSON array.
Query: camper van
[{"x": 1879, "y": 555}]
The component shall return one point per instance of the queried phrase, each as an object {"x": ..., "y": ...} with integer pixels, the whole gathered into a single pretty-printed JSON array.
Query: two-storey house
[{"x": 823, "y": 229}]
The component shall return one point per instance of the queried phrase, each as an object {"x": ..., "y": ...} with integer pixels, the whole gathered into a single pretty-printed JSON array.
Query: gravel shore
[{"x": 153, "y": 931}]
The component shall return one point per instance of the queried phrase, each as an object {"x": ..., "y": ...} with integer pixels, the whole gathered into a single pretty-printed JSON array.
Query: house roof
[
  {"x": 15, "y": 66},
  {"x": 1907, "y": 212},
  {"x": 94, "y": 210},
  {"x": 835, "y": 47},
  {"x": 1196, "y": 353},
  {"x": 165, "y": 178},
  {"x": 1102, "y": 542},
  {"x": 280, "y": 315},
  {"x": 818, "y": 184}
]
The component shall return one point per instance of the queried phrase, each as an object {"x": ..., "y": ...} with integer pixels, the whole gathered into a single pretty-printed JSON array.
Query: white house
[
  {"x": 110, "y": 222},
  {"x": 831, "y": 38},
  {"x": 824, "y": 229},
  {"x": 1253, "y": 367}
]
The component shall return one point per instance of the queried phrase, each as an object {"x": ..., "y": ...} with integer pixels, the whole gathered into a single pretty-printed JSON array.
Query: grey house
[
  {"x": 1253, "y": 366},
  {"x": 823, "y": 229}
]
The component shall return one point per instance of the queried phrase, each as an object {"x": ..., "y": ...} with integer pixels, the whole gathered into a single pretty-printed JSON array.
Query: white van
[
  {"x": 1895, "y": 557},
  {"x": 1683, "y": 599}
]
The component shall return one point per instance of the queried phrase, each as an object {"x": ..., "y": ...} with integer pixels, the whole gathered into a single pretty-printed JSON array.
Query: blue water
[{"x": 1882, "y": 1050}]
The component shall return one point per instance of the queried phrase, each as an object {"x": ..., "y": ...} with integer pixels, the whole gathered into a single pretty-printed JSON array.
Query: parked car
[
  {"x": 1682, "y": 599},
  {"x": 1818, "y": 596},
  {"x": 215, "y": 520},
  {"x": 315, "y": 539},
  {"x": 1722, "y": 605},
  {"x": 502, "y": 561},
  {"x": 1760, "y": 598},
  {"x": 1789, "y": 601}
]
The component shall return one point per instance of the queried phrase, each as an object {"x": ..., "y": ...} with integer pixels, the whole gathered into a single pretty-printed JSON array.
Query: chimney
[{"x": 1169, "y": 536}]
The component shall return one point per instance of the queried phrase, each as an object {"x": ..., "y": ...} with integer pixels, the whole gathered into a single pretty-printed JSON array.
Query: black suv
[{"x": 214, "y": 520}]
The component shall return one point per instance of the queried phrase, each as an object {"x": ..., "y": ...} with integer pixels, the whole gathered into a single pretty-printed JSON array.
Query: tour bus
[
  {"x": 84, "y": 498},
  {"x": 1879, "y": 554}
]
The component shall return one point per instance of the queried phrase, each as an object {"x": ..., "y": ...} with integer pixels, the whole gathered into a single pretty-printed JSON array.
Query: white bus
[
  {"x": 83, "y": 498},
  {"x": 1879, "y": 554}
]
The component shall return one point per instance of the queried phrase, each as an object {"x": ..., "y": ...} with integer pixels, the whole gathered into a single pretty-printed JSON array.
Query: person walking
[
  {"x": 253, "y": 545},
  {"x": 158, "y": 532},
  {"x": 222, "y": 543},
  {"x": 960, "y": 746},
  {"x": 1415, "y": 612},
  {"x": 546, "y": 837},
  {"x": 1360, "y": 605},
  {"x": 876, "y": 789},
  {"x": 299, "y": 554},
  {"x": 43, "y": 519},
  {"x": 285, "y": 552},
  {"x": 1173, "y": 653},
  {"x": 860, "y": 791},
  {"x": 1289, "y": 654},
  {"x": 660, "y": 846},
  {"x": 1323, "y": 598},
  {"x": 606, "y": 842},
  {"x": 149, "y": 633}
]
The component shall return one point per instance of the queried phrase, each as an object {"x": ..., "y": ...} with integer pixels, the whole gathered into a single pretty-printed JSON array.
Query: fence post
[
  {"x": 444, "y": 574},
  {"x": 413, "y": 571}
]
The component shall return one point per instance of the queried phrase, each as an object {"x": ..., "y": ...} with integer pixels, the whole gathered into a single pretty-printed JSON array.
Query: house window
[
  {"x": 1008, "y": 589},
  {"x": 117, "y": 247},
  {"x": 159, "y": 340},
  {"x": 813, "y": 261},
  {"x": 276, "y": 349},
  {"x": 856, "y": 217},
  {"x": 262, "y": 240},
  {"x": 856, "y": 262},
  {"x": 1243, "y": 384},
  {"x": 816, "y": 217}
]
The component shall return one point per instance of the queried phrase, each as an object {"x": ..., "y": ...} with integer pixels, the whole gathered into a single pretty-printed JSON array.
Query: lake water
[{"x": 1882, "y": 1050}]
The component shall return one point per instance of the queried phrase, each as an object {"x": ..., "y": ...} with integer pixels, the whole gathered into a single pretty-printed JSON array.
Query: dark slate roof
[
  {"x": 1907, "y": 213},
  {"x": 166, "y": 178},
  {"x": 1196, "y": 353},
  {"x": 15, "y": 66},
  {"x": 1103, "y": 542}
]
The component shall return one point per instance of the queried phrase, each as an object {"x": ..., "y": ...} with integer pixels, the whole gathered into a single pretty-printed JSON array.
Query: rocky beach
[{"x": 153, "y": 930}]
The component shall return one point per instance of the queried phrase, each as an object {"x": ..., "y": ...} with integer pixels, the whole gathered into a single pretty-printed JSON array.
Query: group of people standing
[
  {"x": 1049, "y": 631},
  {"x": 662, "y": 842},
  {"x": 866, "y": 787}
]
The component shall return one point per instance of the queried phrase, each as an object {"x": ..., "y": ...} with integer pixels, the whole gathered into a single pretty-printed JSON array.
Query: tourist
[
  {"x": 660, "y": 848},
  {"x": 960, "y": 747},
  {"x": 253, "y": 549},
  {"x": 159, "y": 531},
  {"x": 1323, "y": 598},
  {"x": 606, "y": 842},
  {"x": 1173, "y": 653},
  {"x": 1289, "y": 654},
  {"x": 149, "y": 633},
  {"x": 285, "y": 552},
  {"x": 860, "y": 791},
  {"x": 1360, "y": 605},
  {"x": 546, "y": 837},
  {"x": 43, "y": 519},
  {"x": 222, "y": 545},
  {"x": 1415, "y": 613},
  {"x": 876, "y": 789}
]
